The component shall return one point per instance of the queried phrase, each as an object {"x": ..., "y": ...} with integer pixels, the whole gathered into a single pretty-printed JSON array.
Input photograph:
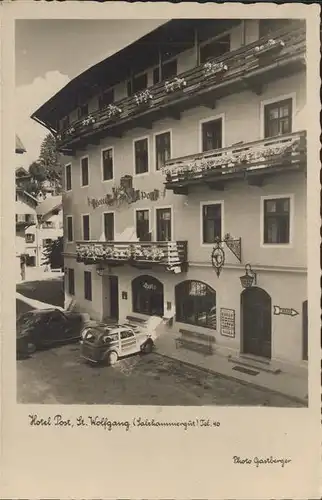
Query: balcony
[
  {"x": 249, "y": 67},
  {"x": 25, "y": 220},
  {"x": 172, "y": 255},
  {"x": 253, "y": 161}
]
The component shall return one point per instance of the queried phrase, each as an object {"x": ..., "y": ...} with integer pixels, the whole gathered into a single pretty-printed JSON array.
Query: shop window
[
  {"x": 71, "y": 281},
  {"x": 211, "y": 134},
  {"x": 109, "y": 226},
  {"x": 82, "y": 111},
  {"x": 107, "y": 162},
  {"x": 69, "y": 220},
  {"x": 143, "y": 225},
  {"x": 162, "y": 149},
  {"x": 68, "y": 177},
  {"x": 141, "y": 156},
  {"x": 278, "y": 118},
  {"x": 169, "y": 70},
  {"x": 106, "y": 98},
  {"x": 87, "y": 285},
  {"x": 30, "y": 238},
  {"x": 277, "y": 221},
  {"x": 196, "y": 304},
  {"x": 86, "y": 228},
  {"x": 214, "y": 49},
  {"x": 211, "y": 222},
  {"x": 84, "y": 171},
  {"x": 147, "y": 296},
  {"x": 163, "y": 216}
]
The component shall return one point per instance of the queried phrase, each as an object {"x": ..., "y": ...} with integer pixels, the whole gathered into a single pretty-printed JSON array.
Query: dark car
[{"x": 41, "y": 328}]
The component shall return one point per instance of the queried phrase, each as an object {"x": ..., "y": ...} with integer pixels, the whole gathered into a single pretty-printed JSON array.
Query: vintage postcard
[{"x": 160, "y": 251}]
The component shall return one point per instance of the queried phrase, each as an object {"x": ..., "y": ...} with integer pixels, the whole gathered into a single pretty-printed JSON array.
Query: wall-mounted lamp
[
  {"x": 100, "y": 270},
  {"x": 250, "y": 278}
]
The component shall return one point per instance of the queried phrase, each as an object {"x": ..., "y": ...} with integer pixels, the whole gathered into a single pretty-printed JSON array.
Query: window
[
  {"x": 86, "y": 231},
  {"x": 109, "y": 226},
  {"x": 211, "y": 134},
  {"x": 140, "y": 83},
  {"x": 211, "y": 222},
  {"x": 215, "y": 49},
  {"x": 87, "y": 285},
  {"x": 107, "y": 162},
  {"x": 65, "y": 123},
  {"x": 69, "y": 220},
  {"x": 126, "y": 334},
  {"x": 71, "y": 281},
  {"x": 106, "y": 98},
  {"x": 162, "y": 149},
  {"x": 48, "y": 225},
  {"x": 277, "y": 221},
  {"x": 163, "y": 224},
  {"x": 68, "y": 177},
  {"x": 196, "y": 304},
  {"x": 46, "y": 241},
  {"x": 278, "y": 118},
  {"x": 156, "y": 75},
  {"x": 143, "y": 225},
  {"x": 169, "y": 70},
  {"x": 82, "y": 110},
  {"x": 141, "y": 156},
  {"x": 84, "y": 171},
  {"x": 30, "y": 238},
  {"x": 147, "y": 296}
]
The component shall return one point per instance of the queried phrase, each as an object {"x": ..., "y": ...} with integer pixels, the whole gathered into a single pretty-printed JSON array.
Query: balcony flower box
[
  {"x": 212, "y": 68},
  {"x": 175, "y": 84},
  {"x": 269, "y": 48},
  {"x": 143, "y": 98},
  {"x": 90, "y": 120},
  {"x": 113, "y": 111},
  {"x": 70, "y": 131}
]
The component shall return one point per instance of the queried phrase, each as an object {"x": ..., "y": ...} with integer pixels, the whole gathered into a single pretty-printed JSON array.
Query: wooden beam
[
  {"x": 180, "y": 190},
  {"x": 256, "y": 87},
  {"x": 216, "y": 185},
  {"x": 115, "y": 133},
  {"x": 208, "y": 102},
  {"x": 255, "y": 180},
  {"x": 173, "y": 113}
]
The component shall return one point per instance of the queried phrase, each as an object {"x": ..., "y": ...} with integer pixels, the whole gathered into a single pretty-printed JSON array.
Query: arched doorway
[
  {"x": 147, "y": 296},
  {"x": 256, "y": 311}
]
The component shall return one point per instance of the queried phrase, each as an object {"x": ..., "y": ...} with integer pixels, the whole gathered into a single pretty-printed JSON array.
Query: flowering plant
[
  {"x": 211, "y": 68},
  {"x": 70, "y": 131},
  {"x": 143, "y": 97},
  {"x": 175, "y": 84},
  {"x": 269, "y": 45},
  {"x": 88, "y": 121},
  {"x": 113, "y": 110}
]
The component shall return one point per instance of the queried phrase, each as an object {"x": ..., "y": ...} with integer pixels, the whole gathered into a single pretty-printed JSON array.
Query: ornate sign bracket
[{"x": 218, "y": 253}]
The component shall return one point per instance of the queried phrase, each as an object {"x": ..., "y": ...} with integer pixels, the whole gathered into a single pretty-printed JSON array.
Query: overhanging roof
[{"x": 170, "y": 38}]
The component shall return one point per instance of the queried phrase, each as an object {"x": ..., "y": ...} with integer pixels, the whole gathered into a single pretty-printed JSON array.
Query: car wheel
[
  {"x": 31, "y": 348},
  {"x": 148, "y": 347},
  {"x": 112, "y": 358}
]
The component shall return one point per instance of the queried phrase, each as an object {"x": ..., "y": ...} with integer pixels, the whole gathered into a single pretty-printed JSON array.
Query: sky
[{"x": 49, "y": 53}]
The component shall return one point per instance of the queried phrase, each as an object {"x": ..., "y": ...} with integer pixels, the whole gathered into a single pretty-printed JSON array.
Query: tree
[
  {"x": 49, "y": 161},
  {"x": 53, "y": 254}
]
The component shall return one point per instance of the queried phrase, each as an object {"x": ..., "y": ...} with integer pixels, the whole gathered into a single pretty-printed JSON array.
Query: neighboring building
[
  {"x": 187, "y": 162},
  {"x": 49, "y": 227}
]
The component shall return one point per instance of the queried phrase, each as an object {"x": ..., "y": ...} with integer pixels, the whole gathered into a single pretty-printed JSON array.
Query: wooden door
[
  {"x": 114, "y": 297},
  {"x": 256, "y": 309}
]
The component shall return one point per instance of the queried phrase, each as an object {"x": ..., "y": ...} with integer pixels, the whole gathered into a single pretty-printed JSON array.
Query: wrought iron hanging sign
[{"x": 218, "y": 253}]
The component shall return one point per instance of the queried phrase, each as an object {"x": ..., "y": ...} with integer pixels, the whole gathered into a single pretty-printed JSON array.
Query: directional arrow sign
[{"x": 284, "y": 310}]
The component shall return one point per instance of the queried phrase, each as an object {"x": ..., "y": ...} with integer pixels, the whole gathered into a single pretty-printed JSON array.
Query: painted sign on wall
[
  {"x": 227, "y": 322},
  {"x": 121, "y": 195}
]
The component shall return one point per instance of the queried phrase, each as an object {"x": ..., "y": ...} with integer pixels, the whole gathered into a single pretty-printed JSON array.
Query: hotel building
[{"x": 185, "y": 186}]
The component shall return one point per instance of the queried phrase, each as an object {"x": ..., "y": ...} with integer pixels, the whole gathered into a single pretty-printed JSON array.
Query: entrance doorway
[
  {"x": 111, "y": 298},
  {"x": 256, "y": 311}
]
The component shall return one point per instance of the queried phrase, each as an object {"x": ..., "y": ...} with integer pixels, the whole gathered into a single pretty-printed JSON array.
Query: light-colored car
[{"x": 101, "y": 343}]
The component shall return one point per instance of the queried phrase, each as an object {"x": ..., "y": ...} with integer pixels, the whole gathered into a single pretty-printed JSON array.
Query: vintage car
[
  {"x": 103, "y": 343},
  {"x": 41, "y": 328}
]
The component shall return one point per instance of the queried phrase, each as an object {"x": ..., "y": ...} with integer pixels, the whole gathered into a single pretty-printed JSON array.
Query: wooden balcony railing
[
  {"x": 253, "y": 159},
  {"x": 246, "y": 67},
  {"x": 170, "y": 254}
]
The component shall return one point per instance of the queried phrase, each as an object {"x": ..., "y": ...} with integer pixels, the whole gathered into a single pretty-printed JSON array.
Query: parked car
[
  {"x": 103, "y": 343},
  {"x": 41, "y": 328}
]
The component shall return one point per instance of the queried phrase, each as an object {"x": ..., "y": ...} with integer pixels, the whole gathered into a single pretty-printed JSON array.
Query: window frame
[
  {"x": 291, "y": 220},
  {"x": 221, "y": 117},
  {"x": 186, "y": 284},
  {"x": 155, "y": 147},
  {"x": 137, "y": 139},
  {"x": 27, "y": 235},
  {"x": 89, "y": 227},
  {"x": 143, "y": 209},
  {"x": 103, "y": 224},
  {"x": 156, "y": 221},
  {"x": 68, "y": 165},
  {"x": 88, "y": 296},
  {"x": 86, "y": 157},
  {"x": 102, "y": 164},
  {"x": 69, "y": 274},
  {"x": 207, "y": 203},
  {"x": 276, "y": 100},
  {"x": 67, "y": 235}
]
